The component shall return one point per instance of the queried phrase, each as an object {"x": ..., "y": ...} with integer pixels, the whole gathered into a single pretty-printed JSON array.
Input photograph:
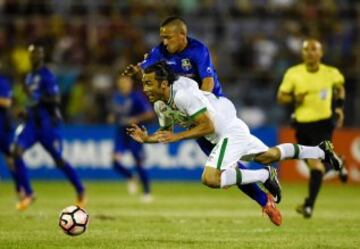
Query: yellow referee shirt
[{"x": 319, "y": 88}]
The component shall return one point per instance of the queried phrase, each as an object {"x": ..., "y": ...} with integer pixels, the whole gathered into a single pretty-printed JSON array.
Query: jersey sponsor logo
[
  {"x": 173, "y": 116},
  {"x": 171, "y": 62},
  {"x": 186, "y": 64}
]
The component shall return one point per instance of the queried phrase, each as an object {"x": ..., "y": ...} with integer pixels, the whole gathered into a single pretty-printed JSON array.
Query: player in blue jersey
[
  {"x": 42, "y": 125},
  {"x": 186, "y": 56},
  {"x": 128, "y": 107},
  {"x": 189, "y": 57}
]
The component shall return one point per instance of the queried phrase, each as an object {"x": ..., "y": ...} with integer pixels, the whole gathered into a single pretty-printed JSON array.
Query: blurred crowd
[{"x": 252, "y": 43}]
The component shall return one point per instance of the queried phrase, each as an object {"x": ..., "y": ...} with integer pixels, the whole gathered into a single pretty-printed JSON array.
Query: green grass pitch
[{"x": 183, "y": 215}]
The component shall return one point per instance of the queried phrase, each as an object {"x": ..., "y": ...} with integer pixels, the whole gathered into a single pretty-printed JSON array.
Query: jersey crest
[{"x": 186, "y": 64}]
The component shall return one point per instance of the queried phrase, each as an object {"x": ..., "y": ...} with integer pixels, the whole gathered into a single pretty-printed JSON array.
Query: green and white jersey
[
  {"x": 232, "y": 136},
  {"x": 167, "y": 113},
  {"x": 169, "y": 117},
  {"x": 187, "y": 101}
]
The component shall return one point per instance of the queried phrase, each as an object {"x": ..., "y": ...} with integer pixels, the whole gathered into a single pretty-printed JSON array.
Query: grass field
[{"x": 183, "y": 215}]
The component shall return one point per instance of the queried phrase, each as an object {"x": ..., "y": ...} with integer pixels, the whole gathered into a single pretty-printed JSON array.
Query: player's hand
[
  {"x": 130, "y": 70},
  {"x": 167, "y": 137},
  {"x": 138, "y": 134},
  {"x": 340, "y": 117}
]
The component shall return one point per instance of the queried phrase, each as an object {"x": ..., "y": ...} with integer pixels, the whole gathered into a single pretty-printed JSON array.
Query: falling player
[{"x": 215, "y": 118}]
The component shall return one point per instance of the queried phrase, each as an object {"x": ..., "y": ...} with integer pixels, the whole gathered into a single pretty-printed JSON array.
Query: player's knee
[
  {"x": 211, "y": 179},
  {"x": 269, "y": 156}
]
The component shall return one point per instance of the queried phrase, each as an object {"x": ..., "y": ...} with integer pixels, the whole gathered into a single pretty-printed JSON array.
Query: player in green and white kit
[{"x": 178, "y": 100}]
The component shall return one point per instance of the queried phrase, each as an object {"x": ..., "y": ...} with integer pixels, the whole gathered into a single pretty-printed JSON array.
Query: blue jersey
[
  {"x": 6, "y": 93},
  {"x": 42, "y": 83},
  {"x": 125, "y": 107},
  {"x": 193, "y": 62},
  {"x": 43, "y": 117}
]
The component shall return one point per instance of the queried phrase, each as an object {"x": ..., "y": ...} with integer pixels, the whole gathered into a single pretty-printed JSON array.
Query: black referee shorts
[{"x": 314, "y": 132}]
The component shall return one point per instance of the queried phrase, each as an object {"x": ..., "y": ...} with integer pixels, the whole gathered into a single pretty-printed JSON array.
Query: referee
[{"x": 318, "y": 94}]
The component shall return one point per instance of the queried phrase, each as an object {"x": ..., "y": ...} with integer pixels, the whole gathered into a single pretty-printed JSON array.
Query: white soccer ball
[{"x": 73, "y": 220}]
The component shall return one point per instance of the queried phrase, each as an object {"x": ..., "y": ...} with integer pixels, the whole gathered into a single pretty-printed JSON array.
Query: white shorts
[{"x": 232, "y": 147}]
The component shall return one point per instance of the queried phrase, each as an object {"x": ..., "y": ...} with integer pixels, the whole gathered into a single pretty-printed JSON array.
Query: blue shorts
[
  {"x": 26, "y": 135},
  {"x": 124, "y": 142}
]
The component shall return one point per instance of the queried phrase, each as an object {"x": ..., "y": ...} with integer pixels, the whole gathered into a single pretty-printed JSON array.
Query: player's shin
[
  {"x": 253, "y": 190},
  {"x": 144, "y": 178},
  {"x": 23, "y": 177},
  {"x": 232, "y": 176},
  {"x": 16, "y": 180},
  {"x": 297, "y": 151},
  {"x": 73, "y": 177}
]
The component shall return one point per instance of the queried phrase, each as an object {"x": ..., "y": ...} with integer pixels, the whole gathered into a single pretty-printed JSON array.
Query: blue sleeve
[
  {"x": 50, "y": 86},
  {"x": 153, "y": 57},
  {"x": 5, "y": 90},
  {"x": 204, "y": 63},
  {"x": 142, "y": 104}
]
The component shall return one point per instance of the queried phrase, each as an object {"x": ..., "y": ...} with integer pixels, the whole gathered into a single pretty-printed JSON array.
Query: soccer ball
[{"x": 73, "y": 220}]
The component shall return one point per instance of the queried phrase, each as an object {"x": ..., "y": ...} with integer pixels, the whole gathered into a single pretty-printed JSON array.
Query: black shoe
[
  {"x": 343, "y": 173},
  {"x": 272, "y": 184},
  {"x": 306, "y": 211},
  {"x": 330, "y": 155}
]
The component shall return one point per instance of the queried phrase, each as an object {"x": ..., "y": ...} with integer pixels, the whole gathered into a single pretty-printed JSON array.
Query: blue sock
[
  {"x": 22, "y": 176},
  {"x": 122, "y": 170},
  {"x": 16, "y": 180},
  {"x": 70, "y": 173},
  {"x": 143, "y": 177},
  {"x": 253, "y": 190}
]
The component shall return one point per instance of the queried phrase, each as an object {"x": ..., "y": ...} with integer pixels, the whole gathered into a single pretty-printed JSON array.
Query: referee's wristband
[{"x": 339, "y": 103}]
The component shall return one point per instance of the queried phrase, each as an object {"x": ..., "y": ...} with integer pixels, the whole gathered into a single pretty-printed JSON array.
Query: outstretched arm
[{"x": 202, "y": 126}]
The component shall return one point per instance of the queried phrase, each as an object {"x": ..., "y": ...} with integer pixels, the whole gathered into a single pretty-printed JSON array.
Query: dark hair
[
  {"x": 170, "y": 19},
  {"x": 162, "y": 72}
]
